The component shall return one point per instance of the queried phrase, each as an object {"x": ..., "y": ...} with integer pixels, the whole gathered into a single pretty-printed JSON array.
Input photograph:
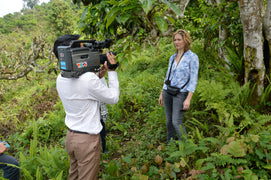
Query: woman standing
[{"x": 179, "y": 85}]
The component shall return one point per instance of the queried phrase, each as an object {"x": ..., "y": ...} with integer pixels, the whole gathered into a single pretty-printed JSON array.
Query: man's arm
[{"x": 107, "y": 94}]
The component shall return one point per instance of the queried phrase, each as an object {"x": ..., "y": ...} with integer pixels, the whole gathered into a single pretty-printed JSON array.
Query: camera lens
[{"x": 103, "y": 58}]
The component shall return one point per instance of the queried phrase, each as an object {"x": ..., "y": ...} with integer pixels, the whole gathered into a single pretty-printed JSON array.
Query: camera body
[{"x": 82, "y": 56}]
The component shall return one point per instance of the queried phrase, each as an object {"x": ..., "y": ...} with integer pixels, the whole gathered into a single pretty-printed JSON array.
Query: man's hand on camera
[
  {"x": 112, "y": 65},
  {"x": 103, "y": 70}
]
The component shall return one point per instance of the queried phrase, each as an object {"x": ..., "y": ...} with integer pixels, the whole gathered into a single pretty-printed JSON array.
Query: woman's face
[{"x": 179, "y": 42}]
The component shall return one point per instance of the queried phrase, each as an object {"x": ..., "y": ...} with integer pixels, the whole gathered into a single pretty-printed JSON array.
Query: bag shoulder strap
[
  {"x": 171, "y": 66},
  {"x": 170, "y": 70}
]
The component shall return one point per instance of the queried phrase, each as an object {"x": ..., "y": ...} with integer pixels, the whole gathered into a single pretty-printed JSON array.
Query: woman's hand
[
  {"x": 186, "y": 103},
  {"x": 161, "y": 102}
]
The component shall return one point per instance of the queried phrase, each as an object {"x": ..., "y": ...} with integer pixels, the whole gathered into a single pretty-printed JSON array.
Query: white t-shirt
[{"x": 81, "y": 96}]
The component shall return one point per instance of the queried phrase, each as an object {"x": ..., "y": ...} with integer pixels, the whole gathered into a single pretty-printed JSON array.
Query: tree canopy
[{"x": 30, "y": 3}]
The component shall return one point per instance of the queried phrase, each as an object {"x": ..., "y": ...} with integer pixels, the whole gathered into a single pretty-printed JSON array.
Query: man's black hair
[{"x": 64, "y": 40}]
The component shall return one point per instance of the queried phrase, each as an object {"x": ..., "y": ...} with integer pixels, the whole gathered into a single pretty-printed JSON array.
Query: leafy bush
[
  {"x": 42, "y": 162},
  {"x": 241, "y": 157}
]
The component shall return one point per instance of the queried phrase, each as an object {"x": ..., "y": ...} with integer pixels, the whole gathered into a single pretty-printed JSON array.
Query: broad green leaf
[
  {"x": 260, "y": 153},
  {"x": 129, "y": 8},
  {"x": 161, "y": 23},
  {"x": 153, "y": 170},
  {"x": 177, "y": 154},
  {"x": 173, "y": 174},
  {"x": 199, "y": 163},
  {"x": 146, "y": 5},
  {"x": 113, "y": 2},
  {"x": 112, "y": 30},
  {"x": 171, "y": 19},
  {"x": 59, "y": 177},
  {"x": 254, "y": 177},
  {"x": 84, "y": 13},
  {"x": 124, "y": 2},
  {"x": 118, "y": 42},
  {"x": 127, "y": 159},
  {"x": 268, "y": 166},
  {"x": 174, "y": 7},
  {"x": 122, "y": 19},
  {"x": 110, "y": 17}
]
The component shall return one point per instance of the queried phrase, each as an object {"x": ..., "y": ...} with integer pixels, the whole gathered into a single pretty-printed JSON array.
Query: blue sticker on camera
[{"x": 63, "y": 65}]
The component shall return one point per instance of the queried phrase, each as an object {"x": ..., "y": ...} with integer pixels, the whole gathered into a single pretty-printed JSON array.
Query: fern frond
[
  {"x": 185, "y": 149},
  {"x": 34, "y": 141},
  {"x": 212, "y": 91},
  {"x": 265, "y": 95},
  {"x": 212, "y": 140},
  {"x": 245, "y": 94},
  {"x": 236, "y": 62},
  {"x": 223, "y": 160},
  {"x": 195, "y": 125},
  {"x": 225, "y": 131},
  {"x": 260, "y": 124},
  {"x": 246, "y": 121},
  {"x": 39, "y": 174}
]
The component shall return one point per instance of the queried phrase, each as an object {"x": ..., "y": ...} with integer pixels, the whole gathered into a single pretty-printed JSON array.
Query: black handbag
[{"x": 171, "y": 89}]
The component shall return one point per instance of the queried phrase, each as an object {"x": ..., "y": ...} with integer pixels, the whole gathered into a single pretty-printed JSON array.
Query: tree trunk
[
  {"x": 250, "y": 13},
  {"x": 267, "y": 33},
  {"x": 223, "y": 33}
]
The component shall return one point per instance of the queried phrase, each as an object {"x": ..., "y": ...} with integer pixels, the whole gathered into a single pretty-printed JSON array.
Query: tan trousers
[{"x": 84, "y": 151}]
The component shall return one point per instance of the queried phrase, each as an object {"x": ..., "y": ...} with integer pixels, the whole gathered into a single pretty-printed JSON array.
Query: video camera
[{"x": 75, "y": 60}]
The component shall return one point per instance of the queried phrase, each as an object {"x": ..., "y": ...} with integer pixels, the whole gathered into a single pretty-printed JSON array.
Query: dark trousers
[
  {"x": 11, "y": 173},
  {"x": 103, "y": 134},
  {"x": 174, "y": 115}
]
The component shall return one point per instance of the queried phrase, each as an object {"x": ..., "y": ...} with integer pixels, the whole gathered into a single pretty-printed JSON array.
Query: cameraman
[{"x": 80, "y": 98}]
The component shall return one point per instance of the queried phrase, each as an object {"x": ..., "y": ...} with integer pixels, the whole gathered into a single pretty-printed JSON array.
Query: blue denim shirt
[{"x": 187, "y": 69}]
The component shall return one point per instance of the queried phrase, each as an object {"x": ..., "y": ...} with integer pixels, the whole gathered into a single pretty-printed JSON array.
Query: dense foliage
[{"x": 229, "y": 135}]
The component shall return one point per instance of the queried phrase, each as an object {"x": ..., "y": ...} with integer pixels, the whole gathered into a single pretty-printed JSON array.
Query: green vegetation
[
  {"x": 229, "y": 135},
  {"x": 228, "y": 138}
]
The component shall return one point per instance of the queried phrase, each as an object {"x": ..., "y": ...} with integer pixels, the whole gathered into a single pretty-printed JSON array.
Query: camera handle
[{"x": 81, "y": 41}]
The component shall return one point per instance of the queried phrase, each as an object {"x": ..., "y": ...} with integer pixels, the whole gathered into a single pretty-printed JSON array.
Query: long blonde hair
[{"x": 186, "y": 38}]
